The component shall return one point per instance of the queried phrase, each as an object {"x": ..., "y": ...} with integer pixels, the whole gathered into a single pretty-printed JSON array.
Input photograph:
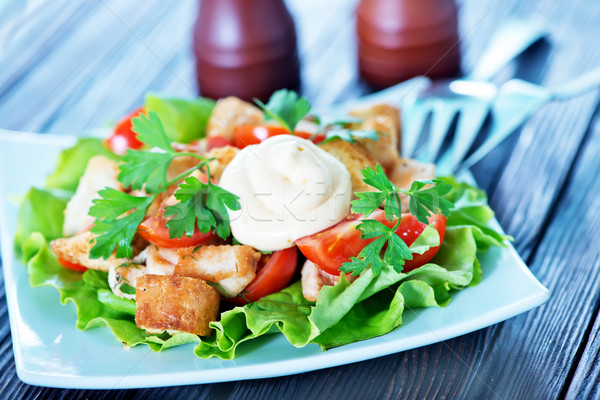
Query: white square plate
[{"x": 50, "y": 351}]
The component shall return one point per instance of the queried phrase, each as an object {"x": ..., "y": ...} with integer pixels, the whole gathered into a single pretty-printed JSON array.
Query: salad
[{"x": 216, "y": 223}]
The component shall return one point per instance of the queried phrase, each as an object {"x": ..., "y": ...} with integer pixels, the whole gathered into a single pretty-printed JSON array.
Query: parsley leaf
[
  {"x": 350, "y": 135},
  {"x": 367, "y": 202},
  {"x": 370, "y": 256},
  {"x": 423, "y": 202},
  {"x": 115, "y": 224},
  {"x": 145, "y": 169},
  {"x": 286, "y": 108},
  {"x": 118, "y": 214},
  {"x": 150, "y": 131},
  {"x": 201, "y": 204}
]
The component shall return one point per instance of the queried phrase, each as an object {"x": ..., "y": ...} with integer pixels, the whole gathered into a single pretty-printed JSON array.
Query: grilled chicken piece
[
  {"x": 355, "y": 158},
  {"x": 153, "y": 260},
  {"x": 230, "y": 112},
  {"x": 382, "y": 110},
  {"x": 230, "y": 267},
  {"x": 222, "y": 157},
  {"x": 385, "y": 148},
  {"x": 76, "y": 250},
  {"x": 314, "y": 278},
  {"x": 175, "y": 304},
  {"x": 100, "y": 172}
]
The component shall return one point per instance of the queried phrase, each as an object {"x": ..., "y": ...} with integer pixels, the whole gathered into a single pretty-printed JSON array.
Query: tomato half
[
  {"x": 332, "y": 247},
  {"x": 275, "y": 275},
  {"x": 215, "y": 142},
  {"x": 123, "y": 136},
  {"x": 71, "y": 266},
  {"x": 155, "y": 231},
  {"x": 245, "y": 135}
]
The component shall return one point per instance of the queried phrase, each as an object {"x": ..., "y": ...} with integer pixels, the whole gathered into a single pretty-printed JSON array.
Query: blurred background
[{"x": 94, "y": 60}]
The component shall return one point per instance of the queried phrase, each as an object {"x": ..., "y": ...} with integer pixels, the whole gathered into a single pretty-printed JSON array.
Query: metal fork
[{"x": 443, "y": 101}]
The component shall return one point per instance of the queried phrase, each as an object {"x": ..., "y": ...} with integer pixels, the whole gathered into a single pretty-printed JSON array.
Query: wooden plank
[
  {"x": 69, "y": 68},
  {"x": 585, "y": 383},
  {"x": 22, "y": 44}
]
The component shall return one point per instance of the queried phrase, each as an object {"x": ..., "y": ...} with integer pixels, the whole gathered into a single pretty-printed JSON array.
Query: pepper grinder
[
  {"x": 400, "y": 39},
  {"x": 245, "y": 48}
]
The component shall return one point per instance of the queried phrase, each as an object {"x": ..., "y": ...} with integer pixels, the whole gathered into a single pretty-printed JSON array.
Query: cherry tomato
[
  {"x": 155, "y": 231},
  {"x": 71, "y": 266},
  {"x": 215, "y": 142},
  {"x": 330, "y": 248},
  {"x": 274, "y": 274},
  {"x": 410, "y": 229},
  {"x": 123, "y": 136},
  {"x": 245, "y": 135}
]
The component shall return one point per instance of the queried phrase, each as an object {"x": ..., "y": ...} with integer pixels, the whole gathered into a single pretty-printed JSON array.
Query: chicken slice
[
  {"x": 230, "y": 267},
  {"x": 100, "y": 172},
  {"x": 229, "y": 113},
  {"x": 314, "y": 278},
  {"x": 153, "y": 260},
  {"x": 382, "y": 110},
  {"x": 355, "y": 158},
  {"x": 222, "y": 157},
  {"x": 385, "y": 148},
  {"x": 76, "y": 250}
]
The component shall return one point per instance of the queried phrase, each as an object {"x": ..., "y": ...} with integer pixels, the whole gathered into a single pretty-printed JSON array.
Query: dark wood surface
[{"x": 67, "y": 66}]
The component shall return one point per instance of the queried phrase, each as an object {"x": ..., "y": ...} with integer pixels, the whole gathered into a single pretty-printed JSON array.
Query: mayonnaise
[{"x": 288, "y": 188}]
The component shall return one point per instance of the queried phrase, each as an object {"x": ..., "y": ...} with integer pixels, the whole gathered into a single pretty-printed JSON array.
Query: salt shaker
[
  {"x": 245, "y": 48},
  {"x": 399, "y": 39}
]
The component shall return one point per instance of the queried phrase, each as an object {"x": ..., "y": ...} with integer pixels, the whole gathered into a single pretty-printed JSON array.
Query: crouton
[
  {"x": 231, "y": 267},
  {"x": 175, "y": 304},
  {"x": 100, "y": 172},
  {"x": 355, "y": 158},
  {"x": 385, "y": 148},
  {"x": 314, "y": 278},
  {"x": 222, "y": 157},
  {"x": 379, "y": 110},
  {"x": 407, "y": 170},
  {"x": 229, "y": 113},
  {"x": 76, "y": 250}
]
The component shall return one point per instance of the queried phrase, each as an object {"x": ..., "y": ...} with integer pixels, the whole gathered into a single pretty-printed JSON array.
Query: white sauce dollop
[{"x": 288, "y": 188}]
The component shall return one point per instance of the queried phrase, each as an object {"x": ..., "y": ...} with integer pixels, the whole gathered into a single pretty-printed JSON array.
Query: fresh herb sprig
[
  {"x": 286, "y": 108},
  {"x": 350, "y": 135},
  {"x": 423, "y": 203},
  {"x": 119, "y": 214}
]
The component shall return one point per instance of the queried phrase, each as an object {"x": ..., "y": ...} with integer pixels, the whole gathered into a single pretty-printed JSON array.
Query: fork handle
[
  {"x": 506, "y": 44},
  {"x": 588, "y": 81}
]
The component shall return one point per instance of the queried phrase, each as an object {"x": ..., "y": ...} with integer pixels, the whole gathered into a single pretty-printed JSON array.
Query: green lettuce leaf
[
  {"x": 371, "y": 306},
  {"x": 72, "y": 163},
  {"x": 41, "y": 211},
  {"x": 184, "y": 120},
  {"x": 95, "y": 303},
  {"x": 346, "y": 312}
]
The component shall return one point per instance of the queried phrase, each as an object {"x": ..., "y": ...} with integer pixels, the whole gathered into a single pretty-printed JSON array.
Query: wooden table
[{"x": 66, "y": 66}]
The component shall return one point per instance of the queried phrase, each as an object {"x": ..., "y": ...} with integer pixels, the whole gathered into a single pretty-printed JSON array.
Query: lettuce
[
  {"x": 184, "y": 120},
  {"x": 346, "y": 313},
  {"x": 72, "y": 163},
  {"x": 371, "y": 306},
  {"x": 95, "y": 303},
  {"x": 41, "y": 211}
]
